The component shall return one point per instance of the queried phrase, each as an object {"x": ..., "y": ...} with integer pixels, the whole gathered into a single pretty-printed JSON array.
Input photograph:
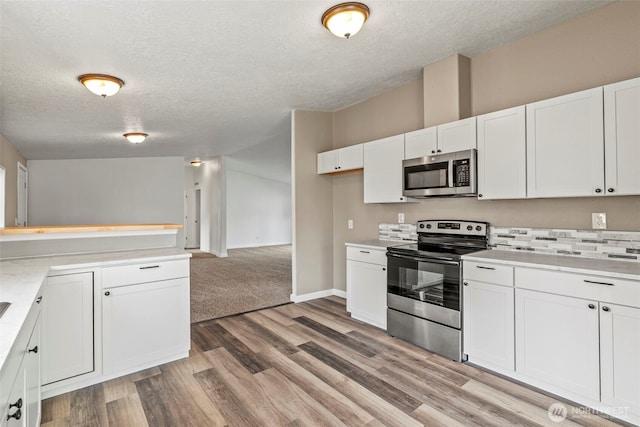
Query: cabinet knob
[
  {"x": 465, "y": 283},
  {"x": 592, "y": 306},
  {"x": 18, "y": 404},
  {"x": 39, "y": 300},
  {"x": 598, "y": 190},
  {"x": 17, "y": 415},
  {"x": 401, "y": 198},
  {"x": 610, "y": 190},
  {"x": 33, "y": 350},
  {"x": 439, "y": 151},
  {"x": 106, "y": 294},
  {"x": 480, "y": 195},
  {"x": 433, "y": 151},
  {"x": 605, "y": 308},
  {"x": 384, "y": 269}
]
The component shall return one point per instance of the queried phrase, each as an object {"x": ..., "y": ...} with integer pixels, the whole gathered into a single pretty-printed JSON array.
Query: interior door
[{"x": 22, "y": 195}]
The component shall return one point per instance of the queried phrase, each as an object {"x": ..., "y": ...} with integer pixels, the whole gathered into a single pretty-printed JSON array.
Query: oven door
[{"x": 423, "y": 287}]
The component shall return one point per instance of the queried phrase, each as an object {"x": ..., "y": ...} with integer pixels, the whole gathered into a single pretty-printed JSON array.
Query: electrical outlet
[
  {"x": 400, "y": 218},
  {"x": 599, "y": 220},
  {"x": 350, "y": 224}
]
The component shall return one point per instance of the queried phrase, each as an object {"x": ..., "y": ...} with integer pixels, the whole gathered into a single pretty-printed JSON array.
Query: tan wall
[
  {"x": 446, "y": 90},
  {"x": 9, "y": 158},
  {"x": 312, "y": 203},
  {"x": 595, "y": 49}
]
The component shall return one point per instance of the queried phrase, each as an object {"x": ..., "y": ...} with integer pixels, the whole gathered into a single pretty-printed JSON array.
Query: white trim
[
  {"x": 318, "y": 294},
  {"x": 294, "y": 260},
  {"x": 81, "y": 235}
]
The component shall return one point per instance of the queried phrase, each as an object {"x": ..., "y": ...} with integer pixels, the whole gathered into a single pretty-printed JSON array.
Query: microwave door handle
[{"x": 450, "y": 171}]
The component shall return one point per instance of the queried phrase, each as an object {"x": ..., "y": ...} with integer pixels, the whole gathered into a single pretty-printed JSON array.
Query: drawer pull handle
[
  {"x": 365, "y": 252},
  {"x": 33, "y": 350},
  {"x": 17, "y": 415},
  {"x": 605, "y": 308},
  {"x": 149, "y": 266},
  {"x": 598, "y": 283},
  {"x": 485, "y": 268},
  {"x": 106, "y": 294},
  {"x": 18, "y": 404},
  {"x": 591, "y": 306}
]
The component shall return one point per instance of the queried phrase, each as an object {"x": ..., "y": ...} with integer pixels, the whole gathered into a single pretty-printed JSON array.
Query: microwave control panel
[{"x": 461, "y": 171}]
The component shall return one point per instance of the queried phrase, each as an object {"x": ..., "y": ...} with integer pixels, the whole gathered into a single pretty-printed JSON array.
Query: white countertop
[
  {"x": 378, "y": 244},
  {"x": 21, "y": 279},
  {"x": 573, "y": 264}
]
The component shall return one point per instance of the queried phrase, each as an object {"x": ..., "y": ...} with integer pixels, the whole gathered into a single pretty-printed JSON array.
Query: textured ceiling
[{"x": 206, "y": 78}]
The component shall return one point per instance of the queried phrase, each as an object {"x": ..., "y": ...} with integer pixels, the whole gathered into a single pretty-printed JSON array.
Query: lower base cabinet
[
  {"x": 367, "y": 285},
  {"x": 144, "y": 323}
]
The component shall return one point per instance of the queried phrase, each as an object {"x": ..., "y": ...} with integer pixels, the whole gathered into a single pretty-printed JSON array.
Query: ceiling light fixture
[
  {"x": 196, "y": 163},
  {"x": 135, "y": 137},
  {"x": 101, "y": 84},
  {"x": 345, "y": 19}
]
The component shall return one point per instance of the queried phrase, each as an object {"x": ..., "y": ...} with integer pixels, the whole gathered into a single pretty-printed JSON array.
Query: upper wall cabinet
[
  {"x": 565, "y": 156},
  {"x": 622, "y": 137},
  {"x": 343, "y": 159},
  {"x": 457, "y": 136},
  {"x": 421, "y": 143},
  {"x": 502, "y": 165},
  {"x": 383, "y": 170}
]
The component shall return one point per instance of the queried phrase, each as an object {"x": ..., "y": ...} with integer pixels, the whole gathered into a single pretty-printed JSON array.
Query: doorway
[
  {"x": 192, "y": 223},
  {"x": 22, "y": 195}
]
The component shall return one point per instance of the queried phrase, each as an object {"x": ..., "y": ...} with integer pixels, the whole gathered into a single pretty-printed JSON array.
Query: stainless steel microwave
[{"x": 449, "y": 174}]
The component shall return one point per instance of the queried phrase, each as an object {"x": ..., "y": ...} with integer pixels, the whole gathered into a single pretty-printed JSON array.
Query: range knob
[
  {"x": 478, "y": 228},
  {"x": 428, "y": 225},
  {"x": 421, "y": 225},
  {"x": 469, "y": 227}
]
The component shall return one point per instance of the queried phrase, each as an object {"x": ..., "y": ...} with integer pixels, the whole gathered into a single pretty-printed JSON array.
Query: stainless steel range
[{"x": 424, "y": 284}]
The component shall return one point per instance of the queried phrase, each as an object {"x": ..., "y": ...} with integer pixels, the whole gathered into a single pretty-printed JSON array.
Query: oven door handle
[{"x": 434, "y": 260}]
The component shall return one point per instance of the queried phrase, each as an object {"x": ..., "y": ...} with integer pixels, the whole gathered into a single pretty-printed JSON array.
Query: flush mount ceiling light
[
  {"x": 196, "y": 163},
  {"x": 101, "y": 84},
  {"x": 345, "y": 19},
  {"x": 135, "y": 137}
]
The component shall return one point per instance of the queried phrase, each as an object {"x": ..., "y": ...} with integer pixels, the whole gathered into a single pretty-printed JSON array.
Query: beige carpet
[{"x": 248, "y": 279}]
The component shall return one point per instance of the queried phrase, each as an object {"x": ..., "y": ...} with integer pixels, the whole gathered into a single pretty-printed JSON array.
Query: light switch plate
[
  {"x": 400, "y": 218},
  {"x": 599, "y": 220},
  {"x": 350, "y": 224}
]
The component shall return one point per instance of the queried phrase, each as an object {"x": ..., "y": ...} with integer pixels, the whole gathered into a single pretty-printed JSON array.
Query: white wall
[
  {"x": 213, "y": 229},
  {"x": 107, "y": 191},
  {"x": 258, "y": 211}
]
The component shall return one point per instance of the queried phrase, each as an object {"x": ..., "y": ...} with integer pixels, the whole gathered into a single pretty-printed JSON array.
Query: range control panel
[{"x": 467, "y": 228}]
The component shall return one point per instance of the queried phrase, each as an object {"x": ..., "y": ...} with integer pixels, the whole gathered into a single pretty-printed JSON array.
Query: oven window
[
  {"x": 426, "y": 176},
  {"x": 429, "y": 282}
]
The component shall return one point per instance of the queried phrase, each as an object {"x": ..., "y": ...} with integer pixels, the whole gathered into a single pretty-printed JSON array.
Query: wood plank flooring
[{"x": 306, "y": 364}]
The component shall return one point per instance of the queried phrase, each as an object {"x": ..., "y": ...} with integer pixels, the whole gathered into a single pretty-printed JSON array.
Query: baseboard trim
[
  {"x": 259, "y": 245},
  {"x": 318, "y": 294}
]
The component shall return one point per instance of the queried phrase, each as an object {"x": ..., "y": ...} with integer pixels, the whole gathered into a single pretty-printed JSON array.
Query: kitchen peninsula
[{"x": 92, "y": 302}]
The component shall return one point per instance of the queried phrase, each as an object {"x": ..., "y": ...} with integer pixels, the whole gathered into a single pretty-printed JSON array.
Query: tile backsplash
[
  {"x": 622, "y": 245},
  {"x": 397, "y": 232}
]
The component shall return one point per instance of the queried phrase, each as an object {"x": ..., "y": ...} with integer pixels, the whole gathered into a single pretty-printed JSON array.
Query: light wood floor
[{"x": 306, "y": 364}]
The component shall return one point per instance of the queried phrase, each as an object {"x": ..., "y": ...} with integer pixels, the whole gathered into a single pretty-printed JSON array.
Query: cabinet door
[
  {"x": 67, "y": 327},
  {"x": 457, "y": 136},
  {"x": 383, "y": 170},
  {"x": 33, "y": 378},
  {"x": 502, "y": 163},
  {"x": 350, "y": 157},
  {"x": 620, "y": 360},
  {"x": 558, "y": 341},
  {"x": 622, "y": 137},
  {"x": 367, "y": 292},
  {"x": 421, "y": 143},
  {"x": 144, "y": 324},
  {"x": 488, "y": 331},
  {"x": 565, "y": 155},
  {"x": 327, "y": 162},
  {"x": 14, "y": 416}
]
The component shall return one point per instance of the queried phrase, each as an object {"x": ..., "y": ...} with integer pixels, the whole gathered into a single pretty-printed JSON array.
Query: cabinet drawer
[
  {"x": 373, "y": 256},
  {"x": 145, "y": 272},
  {"x": 599, "y": 288},
  {"x": 488, "y": 273}
]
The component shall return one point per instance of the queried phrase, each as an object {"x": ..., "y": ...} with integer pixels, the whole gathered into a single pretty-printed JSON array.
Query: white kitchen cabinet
[
  {"x": 342, "y": 159},
  {"x": 557, "y": 341},
  {"x": 33, "y": 377},
  {"x": 488, "y": 317},
  {"x": 457, "y": 136},
  {"x": 622, "y": 137},
  {"x": 421, "y": 143},
  {"x": 620, "y": 356},
  {"x": 67, "y": 327},
  {"x": 565, "y": 156},
  {"x": 383, "y": 170},
  {"x": 146, "y": 315},
  {"x": 367, "y": 285},
  {"x": 502, "y": 164}
]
